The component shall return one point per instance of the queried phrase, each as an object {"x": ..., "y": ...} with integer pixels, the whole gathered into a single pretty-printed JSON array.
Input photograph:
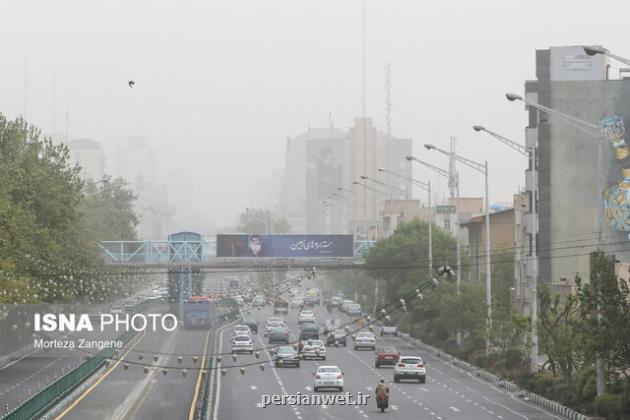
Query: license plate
[
  {"x": 329, "y": 383},
  {"x": 389, "y": 357}
]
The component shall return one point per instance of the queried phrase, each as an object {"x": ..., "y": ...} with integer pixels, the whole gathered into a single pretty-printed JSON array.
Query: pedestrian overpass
[{"x": 200, "y": 253}]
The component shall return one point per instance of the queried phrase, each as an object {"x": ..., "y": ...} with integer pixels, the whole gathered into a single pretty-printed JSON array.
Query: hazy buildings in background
[
  {"x": 322, "y": 160},
  {"x": 572, "y": 179},
  {"x": 88, "y": 154}
]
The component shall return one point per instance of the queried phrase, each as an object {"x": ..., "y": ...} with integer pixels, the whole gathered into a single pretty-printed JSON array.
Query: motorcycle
[{"x": 382, "y": 403}]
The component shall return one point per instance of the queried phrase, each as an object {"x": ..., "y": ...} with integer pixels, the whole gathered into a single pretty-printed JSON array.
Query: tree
[
  {"x": 108, "y": 208},
  {"x": 259, "y": 221},
  {"x": 559, "y": 332}
]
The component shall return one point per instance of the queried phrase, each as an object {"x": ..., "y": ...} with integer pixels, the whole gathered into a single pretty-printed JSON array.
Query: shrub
[
  {"x": 587, "y": 385},
  {"x": 543, "y": 384},
  {"x": 610, "y": 406}
]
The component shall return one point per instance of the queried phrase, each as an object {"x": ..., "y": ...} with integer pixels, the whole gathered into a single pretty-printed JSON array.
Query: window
[
  {"x": 529, "y": 238},
  {"x": 447, "y": 224}
]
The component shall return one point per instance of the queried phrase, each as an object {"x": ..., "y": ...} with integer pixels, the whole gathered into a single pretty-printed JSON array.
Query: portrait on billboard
[{"x": 255, "y": 246}]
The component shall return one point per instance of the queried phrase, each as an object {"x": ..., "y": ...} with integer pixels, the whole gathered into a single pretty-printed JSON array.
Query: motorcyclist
[
  {"x": 382, "y": 395},
  {"x": 329, "y": 307}
]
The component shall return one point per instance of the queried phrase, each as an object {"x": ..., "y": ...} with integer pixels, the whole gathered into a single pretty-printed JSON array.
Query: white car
[
  {"x": 306, "y": 316},
  {"x": 239, "y": 300},
  {"x": 296, "y": 302},
  {"x": 242, "y": 344},
  {"x": 365, "y": 340},
  {"x": 275, "y": 319},
  {"x": 353, "y": 309},
  {"x": 314, "y": 349},
  {"x": 258, "y": 300},
  {"x": 328, "y": 377},
  {"x": 410, "y": 367},
  {"x": 241, "y": 330},
  {"x": 344, "y": 305}
]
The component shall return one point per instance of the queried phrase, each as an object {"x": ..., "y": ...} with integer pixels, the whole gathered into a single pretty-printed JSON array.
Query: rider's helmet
[{"x": 382, "y": 381}]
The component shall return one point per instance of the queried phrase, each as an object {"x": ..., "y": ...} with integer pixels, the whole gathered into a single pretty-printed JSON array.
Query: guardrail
[{"x": 47, "y": 397}]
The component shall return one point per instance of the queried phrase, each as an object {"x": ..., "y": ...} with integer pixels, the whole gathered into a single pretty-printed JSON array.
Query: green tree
[
  {"x": 260, "y": 221},
  {"x": 108, "y": 208},
  {"x": 559, "y": 332}
]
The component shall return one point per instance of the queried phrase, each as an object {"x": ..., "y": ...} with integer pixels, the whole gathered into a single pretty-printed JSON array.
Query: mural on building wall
[{"x": 617, "y": 197}]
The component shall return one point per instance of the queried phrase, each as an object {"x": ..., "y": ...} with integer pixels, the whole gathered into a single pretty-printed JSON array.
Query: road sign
[{"x": 444, "y": 209}]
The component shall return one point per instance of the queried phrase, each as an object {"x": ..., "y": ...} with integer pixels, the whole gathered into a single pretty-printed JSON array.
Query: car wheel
[
  {"x": 396, "y": 379},
  {"x": 376, "y": 365},
  {"x": 315, "y": 389},
  {"x": 251, "y": 352},
  {"x": 297, "y": 365},
  {"x": 423, "y": 380},
  {"x": 323, "y": 357},
  {"x": 277, "y": 364},
  {"x": 355, "y": 347},
  {"x": 340, "y": 389}
]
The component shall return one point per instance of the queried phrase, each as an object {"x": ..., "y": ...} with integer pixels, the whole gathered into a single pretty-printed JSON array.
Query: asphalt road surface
[{"x": 449, "y": 393}]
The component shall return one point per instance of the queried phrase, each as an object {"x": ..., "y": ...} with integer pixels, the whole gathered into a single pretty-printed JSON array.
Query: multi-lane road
[
  {"x": 449, "y": 392},
  {"x": 126, "y": 390}
]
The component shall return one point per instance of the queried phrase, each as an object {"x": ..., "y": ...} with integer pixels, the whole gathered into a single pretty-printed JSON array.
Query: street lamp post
[
  {"x": 483, "y": 168},
  {"x": 453, "y": 180},
  {"x": 400, "y": 191},
  {"x": 427, "y": 187},
  {"x": 595, "y": 49},
  {"x": 530, "y": 152}
]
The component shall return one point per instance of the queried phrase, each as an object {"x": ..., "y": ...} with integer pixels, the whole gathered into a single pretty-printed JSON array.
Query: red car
[{"x": 386, "y": 356}]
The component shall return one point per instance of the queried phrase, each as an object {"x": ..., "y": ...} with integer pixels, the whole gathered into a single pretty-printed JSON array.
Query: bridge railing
[{"x": 138, "y": 252}]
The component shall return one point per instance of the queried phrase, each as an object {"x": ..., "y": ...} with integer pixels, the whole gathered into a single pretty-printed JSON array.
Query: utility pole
[{"x": 454, "y": 186}]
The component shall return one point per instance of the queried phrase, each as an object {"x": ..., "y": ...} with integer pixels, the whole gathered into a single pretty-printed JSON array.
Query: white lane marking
[
  {"x": 437, "y": 370},
  {"x": 470, "y": 389},
  {"x": 507, "y": 408},
  {"x": 455, "y": 409}
]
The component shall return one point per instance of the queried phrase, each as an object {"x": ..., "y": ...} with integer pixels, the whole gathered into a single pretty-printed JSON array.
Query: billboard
[{"x": 241, "y": 245}]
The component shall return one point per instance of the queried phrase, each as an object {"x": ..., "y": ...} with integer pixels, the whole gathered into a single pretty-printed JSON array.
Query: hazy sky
[{"x": 221, "y": 84}]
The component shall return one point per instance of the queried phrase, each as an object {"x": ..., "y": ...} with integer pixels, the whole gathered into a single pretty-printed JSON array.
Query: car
[
  {"x": 116, "y": 309},
  {"x": 328, "y": 377},
  {"x": 242, "y": 344},
  {"x": 314, "y": 349},
  {"x": 251, "y": 323},
  {"x": 389, "y": 330},
  {"x": 365, "y": 340},
  {"x": 279, "y": 335},
  {"x": 238, "y": 300},
  {"x": 258, "y": 300},
  {"x": 275, "y": 319},
  {"x": 410, "y": 367},
  {"x": 306, "y": 316},
  {"x": 331, "y": 325},
  {"x": 296, "y": 302},
  {"x": 309, "y": 330},
  {"x": 337, "y": 337},
  {"x": 285, "y": 356},
  {"x": 353, "y": 309},
  {"x": 241, "y": 329},
  {"x": 344, "y": 304},
  {"x": 336, "y": 300},
  {"x": 271, "y": 325},
  {"x": 386, "y": 356}
]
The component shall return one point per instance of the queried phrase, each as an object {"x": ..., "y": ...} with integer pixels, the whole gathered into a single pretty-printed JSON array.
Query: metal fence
[{"x": 47, "y": 397}]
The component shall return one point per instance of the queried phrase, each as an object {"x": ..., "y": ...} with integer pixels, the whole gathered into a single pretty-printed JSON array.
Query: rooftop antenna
[
  {"x": 388, "y": 102},
  {"x": 54, "y": 104},
  {"x": 26, "y": 88}
]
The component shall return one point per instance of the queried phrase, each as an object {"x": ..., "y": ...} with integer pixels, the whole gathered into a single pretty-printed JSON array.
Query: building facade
[
  {"x": 575, "y": 166},
  {"x": 88, "y": 154},
  {"x": 319, "y": 194}
]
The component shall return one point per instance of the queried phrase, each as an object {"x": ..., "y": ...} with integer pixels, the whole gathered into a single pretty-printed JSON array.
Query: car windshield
[
  {"x": 328, "y": 370},
  {"x": 339, "y": 333},
  {"x": 315, "y": 343},
  {"x": 365, "y": 334},
  {"x": 411, "y": 360},
  {"x": 387, "y": 350},
  {"x": 286, "y": 350}
]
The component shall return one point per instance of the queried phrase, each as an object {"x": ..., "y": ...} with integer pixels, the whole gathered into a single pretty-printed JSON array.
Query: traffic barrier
[{"x": 43, "y": 400}]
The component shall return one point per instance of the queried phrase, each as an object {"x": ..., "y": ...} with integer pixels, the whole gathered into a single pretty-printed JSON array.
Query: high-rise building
[
  {"x": 321, "y": 161},
  {"x": 88, "y": 154},
  {"x": 575, "y": 165}
]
